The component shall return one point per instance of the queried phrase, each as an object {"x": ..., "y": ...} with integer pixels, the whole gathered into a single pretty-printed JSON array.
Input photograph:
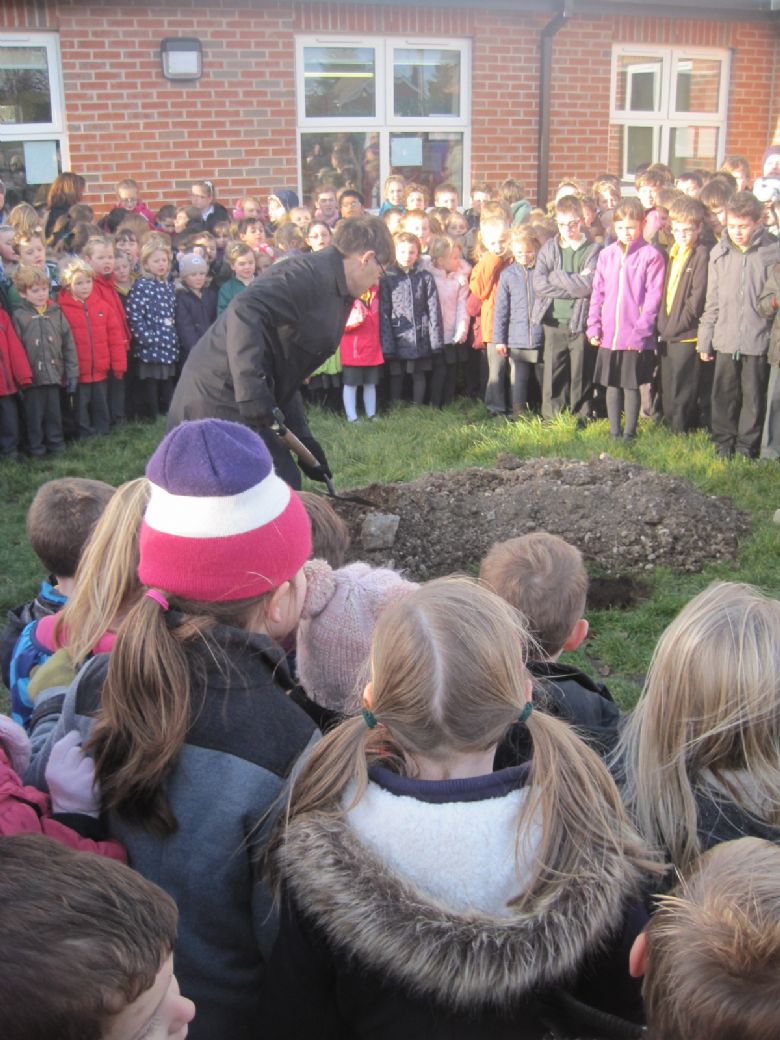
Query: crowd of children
[
  {"x": 659, "y": 304},
  {"x": 374, "y": 806}
]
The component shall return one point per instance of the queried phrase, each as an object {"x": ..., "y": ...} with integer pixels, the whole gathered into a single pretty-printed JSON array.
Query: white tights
[{"x": 349, "y": 394}]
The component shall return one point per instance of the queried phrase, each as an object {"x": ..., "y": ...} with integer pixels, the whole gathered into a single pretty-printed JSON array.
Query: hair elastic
[
  {"x": 158, "y": 598},
  {"x": 369, "y": 718},
  {"x": 525, "y": 714}
]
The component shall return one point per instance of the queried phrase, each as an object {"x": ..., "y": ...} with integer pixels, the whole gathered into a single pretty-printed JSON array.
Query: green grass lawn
[{"x": 409, "y": 442}]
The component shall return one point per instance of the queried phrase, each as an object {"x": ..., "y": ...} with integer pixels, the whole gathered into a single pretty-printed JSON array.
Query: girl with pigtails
[{"x": 423, "y": 894}]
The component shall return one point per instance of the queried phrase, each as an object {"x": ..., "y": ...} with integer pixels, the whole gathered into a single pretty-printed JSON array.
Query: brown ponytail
[{"x": 147, "y": 700}]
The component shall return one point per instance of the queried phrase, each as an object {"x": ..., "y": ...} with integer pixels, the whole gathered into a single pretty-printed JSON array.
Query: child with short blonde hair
[
  {"x": 51, "y": 351},
  {"x": 516, "y": 335},
  {"x": 99, "y": 254},
  {"x": 494, "y": 257},
  {"x": 100, "y": 345},
  {"x": 711, "y": 952},
  {"x": 128, "y": 197},
  {"x": 151, "y": 312}
]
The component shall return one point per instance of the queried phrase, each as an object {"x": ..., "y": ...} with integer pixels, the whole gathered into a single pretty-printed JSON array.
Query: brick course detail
[{"x": 238, "y": 125}]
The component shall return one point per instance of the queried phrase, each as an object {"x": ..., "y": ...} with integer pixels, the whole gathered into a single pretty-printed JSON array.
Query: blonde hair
[
  {"x": 25, "y": 221},
  {"x": 27, "y": 234},
  {"x": 543, "y": 577},
  {"x": 440, "y": 247},
  {"x": 107, "y": 573},
  {"x": 713, "y": 949},
  {"x": 236, "y": 250},
  {"x": 449, "y": 676},
  {"x": 71, "y": 269},
  {"x": 26, "y": 277},
  {"x": 710, "y": 707},
  {"x": 153, "y": 244},
  {"x": 490, "y": 223},
  {"x": 94, "y": 242}
]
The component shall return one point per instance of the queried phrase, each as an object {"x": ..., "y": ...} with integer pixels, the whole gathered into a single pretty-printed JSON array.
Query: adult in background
[
  {"x": 204, "y": 199},
  {"x": 67, "y": 190},
  {"x": 275, "y": 334}
]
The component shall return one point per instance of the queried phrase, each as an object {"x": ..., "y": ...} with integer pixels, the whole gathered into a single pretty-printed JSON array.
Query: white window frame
[
  {"x": 55, "y": 128},
  {"x": 385, "y": 122},
  {"x": 666, "y": 115}
]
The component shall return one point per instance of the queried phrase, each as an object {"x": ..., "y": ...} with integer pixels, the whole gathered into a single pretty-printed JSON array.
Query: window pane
[
  {"x": 341, "y": 161},
  {"x": 23, "y": 165},
  {"x": 698, "y": 85},
  {"x": 638, "y": 83},
  {"x": 692, "y": 147},
  {"x": 426, "y": 82},
  {"x": 636, "y": 148},
  {"x": 428, "y": 159},
  {"x": 339, "y": 81},
  {"x": 24, "y": 85}
]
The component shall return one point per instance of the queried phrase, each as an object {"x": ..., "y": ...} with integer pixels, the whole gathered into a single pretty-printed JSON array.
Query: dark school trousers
[
  {"x": 43, "y": 419},
  {"x": 739, "y": 403},
  {"x": 680, "y": 365},
  {"x": 9, "y": 426},
  {"x": 92, "y": 409},
  {"x": 568, "y": 372}
]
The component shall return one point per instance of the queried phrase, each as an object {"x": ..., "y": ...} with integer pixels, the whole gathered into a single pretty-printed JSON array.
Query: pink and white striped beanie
[{"x": 220, "y": 524}]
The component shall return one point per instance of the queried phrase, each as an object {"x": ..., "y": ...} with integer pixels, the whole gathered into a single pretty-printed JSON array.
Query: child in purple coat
[{"x": 627, "y": 290}]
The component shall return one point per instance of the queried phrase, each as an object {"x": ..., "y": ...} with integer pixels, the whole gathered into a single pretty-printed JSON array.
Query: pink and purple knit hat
[{"x": 220, "y": 524}]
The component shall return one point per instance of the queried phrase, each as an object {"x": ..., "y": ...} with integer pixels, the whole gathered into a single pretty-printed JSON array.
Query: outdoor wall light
[{"x": 181, "y": 57}]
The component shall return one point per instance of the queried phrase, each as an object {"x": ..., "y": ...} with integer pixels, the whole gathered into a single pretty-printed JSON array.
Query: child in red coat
[
  {"x": 99, "y": 254},
  {"x": 361, "y": 355},
  {"x": 100, "y": 343},
  {"x": 15, "y": 375}
]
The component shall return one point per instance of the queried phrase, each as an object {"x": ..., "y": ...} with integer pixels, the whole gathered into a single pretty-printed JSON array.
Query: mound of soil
[{"x": 625, "y": 519}]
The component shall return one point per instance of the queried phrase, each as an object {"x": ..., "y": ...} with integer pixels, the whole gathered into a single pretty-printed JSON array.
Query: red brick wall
[
  {"x": 237, "y": 124},
  {"x": 581, "y": 105}
]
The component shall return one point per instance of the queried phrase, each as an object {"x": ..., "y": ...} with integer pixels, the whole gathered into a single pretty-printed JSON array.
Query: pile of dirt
[{"x": 625, "y": 519}]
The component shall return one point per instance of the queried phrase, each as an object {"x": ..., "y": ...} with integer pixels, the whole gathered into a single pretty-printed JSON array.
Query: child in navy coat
[
  {"x": 410, "y": 324},
  {"x": 196, "y": 303}
]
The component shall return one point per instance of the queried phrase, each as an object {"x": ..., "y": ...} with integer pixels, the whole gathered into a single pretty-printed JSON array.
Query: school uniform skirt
[
  {"x": 361, "y": 375},
  {"x": 628, "y": 369},
  {"x": 408, "y": 366}
]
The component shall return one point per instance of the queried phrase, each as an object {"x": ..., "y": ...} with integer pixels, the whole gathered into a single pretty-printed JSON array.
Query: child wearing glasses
[
  {"x": 563, "y": 280},
  {"x": 683, "y": 373}
]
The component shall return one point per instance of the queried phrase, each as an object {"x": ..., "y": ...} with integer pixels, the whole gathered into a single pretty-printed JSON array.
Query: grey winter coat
[
  {"x": 767, "y": 305},
  {"x": 551, "y": 282},
  {"x": 48, "y": 343},
  {"x": 732, "y": 320}
]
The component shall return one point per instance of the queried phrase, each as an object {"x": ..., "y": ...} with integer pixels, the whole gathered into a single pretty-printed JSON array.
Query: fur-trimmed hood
[{"x": 461, "y": 959}]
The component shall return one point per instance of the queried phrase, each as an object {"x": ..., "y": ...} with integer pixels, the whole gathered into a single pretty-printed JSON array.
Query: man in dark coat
[{"x": 275, "y": 334}]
